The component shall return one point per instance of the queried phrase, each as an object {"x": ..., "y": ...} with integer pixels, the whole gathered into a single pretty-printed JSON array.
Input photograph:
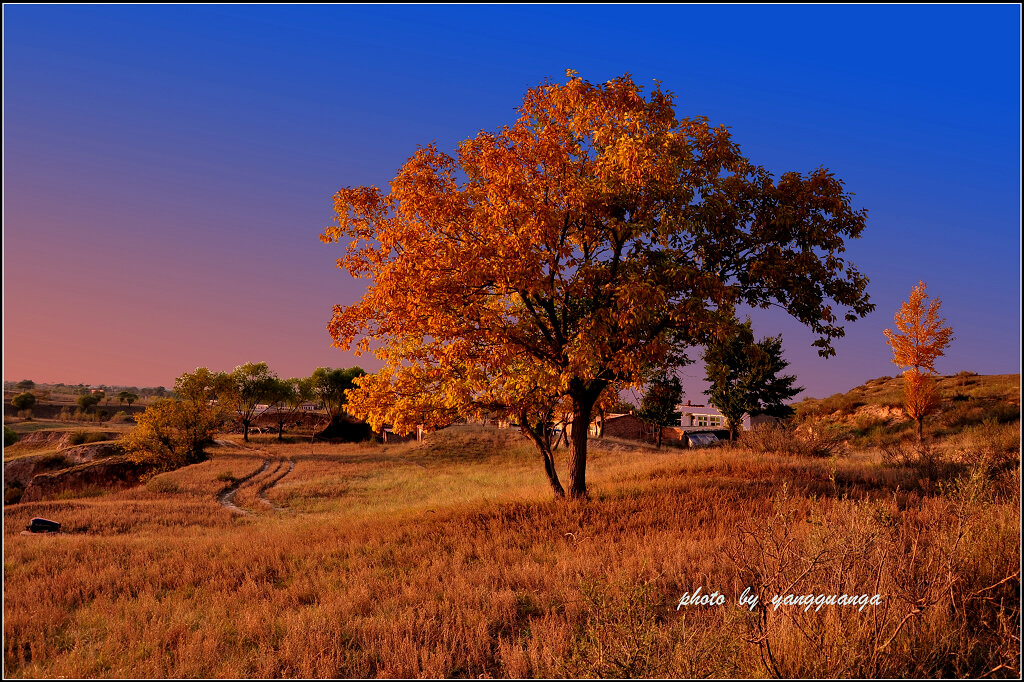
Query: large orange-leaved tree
[
  {"x": 583, "y": 246},
  {"x": 921, "y": 337}
]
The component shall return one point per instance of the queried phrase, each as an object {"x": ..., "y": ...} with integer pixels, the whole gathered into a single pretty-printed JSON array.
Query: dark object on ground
[
  {"x": 38, "y": 525},
  {"x": 346, "y": 430}
]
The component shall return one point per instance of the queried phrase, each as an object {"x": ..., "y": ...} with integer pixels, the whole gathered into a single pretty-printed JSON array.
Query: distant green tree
[
  {"x": 254, "y": 385},
  {"x": 328, "y": 387},
  {"x": 25, "y": 385},
  {"x": 287, "y": 397},
  {"x": 127, "y": 397},
  {"x": 23, "y": 401},
  {"x": 86, "y": 401},
  {"x": 745, "y": 377},
  {"x": 660, "y": 401},
  {"x": 203, "y": 385}
]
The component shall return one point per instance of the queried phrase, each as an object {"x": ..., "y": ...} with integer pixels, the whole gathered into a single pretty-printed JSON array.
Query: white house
[{"x": 708, "y": 418}]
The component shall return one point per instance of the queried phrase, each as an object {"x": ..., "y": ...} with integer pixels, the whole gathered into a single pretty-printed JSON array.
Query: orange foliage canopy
[
  {"x": 593, "y": 239},
  {"x": 922, "y": 333}
]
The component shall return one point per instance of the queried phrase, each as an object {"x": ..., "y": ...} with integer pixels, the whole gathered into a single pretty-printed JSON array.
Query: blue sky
[{"x": 168, "y": 168}]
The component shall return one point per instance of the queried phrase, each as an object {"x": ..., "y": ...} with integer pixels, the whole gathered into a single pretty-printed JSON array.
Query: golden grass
[{"x": 449, "y": 559}]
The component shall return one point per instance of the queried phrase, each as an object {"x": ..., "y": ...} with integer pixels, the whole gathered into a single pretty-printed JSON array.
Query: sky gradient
[{"x": 168, "y": 169}]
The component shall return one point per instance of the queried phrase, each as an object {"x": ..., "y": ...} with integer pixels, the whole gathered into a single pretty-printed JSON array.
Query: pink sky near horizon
[{"x": 140, "y": 306}]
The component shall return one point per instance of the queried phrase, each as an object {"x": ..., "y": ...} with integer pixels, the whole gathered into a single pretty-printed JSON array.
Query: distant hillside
[{"x": 875, "y": 408}]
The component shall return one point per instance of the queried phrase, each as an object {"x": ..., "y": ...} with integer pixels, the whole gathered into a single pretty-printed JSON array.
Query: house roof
[{"x": 700, "y": 409}]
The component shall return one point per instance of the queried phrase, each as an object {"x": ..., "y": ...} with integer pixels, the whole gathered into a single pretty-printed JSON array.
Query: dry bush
[
  {"x": 961, "y": 414},
  {"x": 946, "y": 576},
  {"x": 162, "y": 484},
  {"x": 835, "y": 405},
  {"x": 992, "y": 449},
  {"x": 86, "y": 437},
  {"x": 927, "y": 462},
  {"x": 778, "y": 439}
]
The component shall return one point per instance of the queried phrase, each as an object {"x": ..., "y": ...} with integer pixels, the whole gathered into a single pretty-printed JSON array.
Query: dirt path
[
  {"x": 272, "y": 481},
  {"x": 226, "y": 496}
]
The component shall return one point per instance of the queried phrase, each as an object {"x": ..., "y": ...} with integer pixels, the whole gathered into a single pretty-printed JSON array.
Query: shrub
[
  {"x": 991, "y": 447},
  {"x": 10, "y": 437},
  {"x": 23, "y": 401},
  {"x": 965, "y": 414},
  {"x": 173, "y": 433},
  {"x": 76, "y": 493},
  {"x": 53, "y": 461},
  {"x": 785, "y": 441},
  {"x": 162, "y": 484},
  {"x": 961, "y": 415},
  {"x": 876, "y": 432},
  {"x": 120, "y": 417},
  {"x": 841, "y": 403},
  {"x": 1006, "y": 413},
  {"x": 12, "y": 494},
  {"x": 86, "y": 437},
  {"x": 87, "y": 401},
  {"x": 927, "y": 463}
]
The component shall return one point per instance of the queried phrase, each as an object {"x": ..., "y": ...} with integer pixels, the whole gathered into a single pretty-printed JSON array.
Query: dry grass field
[{"x": 450, "y": 559}]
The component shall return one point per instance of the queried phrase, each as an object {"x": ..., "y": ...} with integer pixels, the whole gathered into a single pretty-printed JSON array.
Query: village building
[
  {"x": 706, "y": 417},
  {"x": 698, "y": 425}
]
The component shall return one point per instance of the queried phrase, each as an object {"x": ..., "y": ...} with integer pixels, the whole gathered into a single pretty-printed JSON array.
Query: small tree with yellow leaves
[{"x": 922, "y": 337}]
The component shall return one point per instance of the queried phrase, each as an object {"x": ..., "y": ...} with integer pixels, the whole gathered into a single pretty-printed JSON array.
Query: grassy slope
[
  {"x": 986, "y": 389},
  {"x": 450, "y": 559},
  {"x": 48, "y": 427},
  {"x": 872, "y": 413}
]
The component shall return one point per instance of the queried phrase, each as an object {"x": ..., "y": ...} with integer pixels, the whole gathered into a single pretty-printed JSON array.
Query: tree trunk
[
  {"x": 245, "y": 430},
  {"x": 920, "y": 429},
  {"x": 583, "y": 407},
  {"x": 542, "y": 439},
  {"x": 552, "y": 474},
  {"x": 659, "y": 436},
  {"x": 280, "y": 430}
]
